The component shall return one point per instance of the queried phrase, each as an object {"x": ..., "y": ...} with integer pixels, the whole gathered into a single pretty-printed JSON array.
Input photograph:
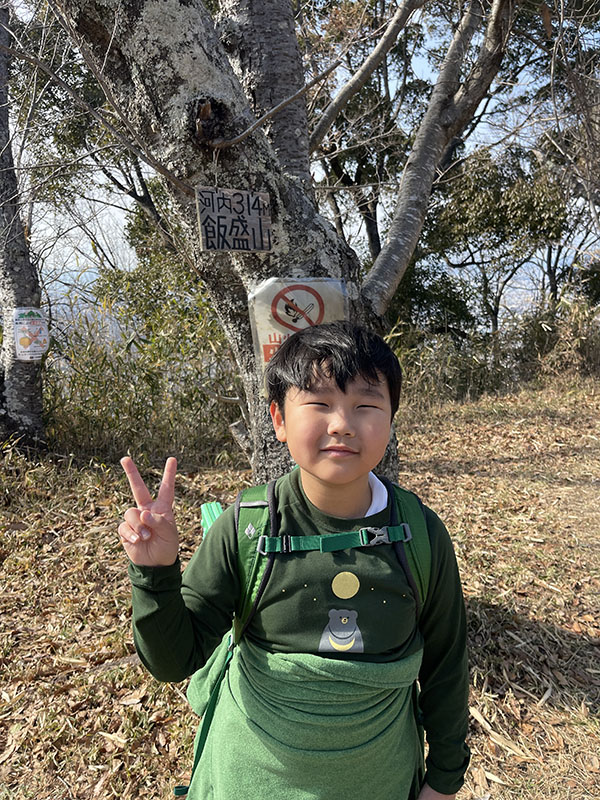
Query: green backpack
[{"x": 259, "y": 543}]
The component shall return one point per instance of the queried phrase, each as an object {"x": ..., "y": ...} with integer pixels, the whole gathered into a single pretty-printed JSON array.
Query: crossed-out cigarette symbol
[{"x": 292, "y": 312}]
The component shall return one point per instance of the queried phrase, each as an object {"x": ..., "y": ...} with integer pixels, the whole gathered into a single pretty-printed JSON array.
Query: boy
[{"x": 320, "y": 700}]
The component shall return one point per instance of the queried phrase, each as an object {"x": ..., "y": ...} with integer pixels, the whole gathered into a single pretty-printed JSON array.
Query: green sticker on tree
[{"x": 31, "y": 334}]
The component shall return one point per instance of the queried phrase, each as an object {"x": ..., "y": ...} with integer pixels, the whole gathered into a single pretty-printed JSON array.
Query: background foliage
[
  {"x": 140, "y": 365},
  {"x": 503, "y": 287}
]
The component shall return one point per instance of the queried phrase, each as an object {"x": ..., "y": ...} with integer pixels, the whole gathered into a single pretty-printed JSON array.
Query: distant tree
[
  {"x": 490, "y": 219},
  {"x": 20, "y": 381},
  {"x": 361, "y": 130},
  {"x": 574, "y": 140},
  {"x": 431, "y": 301},
  {"x": 587, "y": 279}
]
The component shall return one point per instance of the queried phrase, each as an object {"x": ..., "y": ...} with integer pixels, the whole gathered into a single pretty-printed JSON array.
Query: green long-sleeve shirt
[{"x": 355, "y": 604}]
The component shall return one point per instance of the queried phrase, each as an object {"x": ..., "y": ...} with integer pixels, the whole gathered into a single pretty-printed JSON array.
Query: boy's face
[{"x": 336, "y": 437}]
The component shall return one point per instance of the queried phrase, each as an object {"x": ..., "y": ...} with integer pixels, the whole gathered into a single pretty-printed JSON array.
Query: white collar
[{"x": 379, "y": 496}]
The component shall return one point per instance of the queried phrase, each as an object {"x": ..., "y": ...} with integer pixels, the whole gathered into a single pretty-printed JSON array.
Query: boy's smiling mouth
[{"x": 339, "y": 449}]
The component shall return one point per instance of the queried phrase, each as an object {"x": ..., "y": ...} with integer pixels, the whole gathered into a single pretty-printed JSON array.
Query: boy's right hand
[{"x": 148, "y": 532}]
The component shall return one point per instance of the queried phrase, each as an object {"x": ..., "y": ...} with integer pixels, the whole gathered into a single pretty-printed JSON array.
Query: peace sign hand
[{"x": 148, "y": 532}]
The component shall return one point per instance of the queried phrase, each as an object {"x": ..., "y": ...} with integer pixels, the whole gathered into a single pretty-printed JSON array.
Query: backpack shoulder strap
[
  {"x": 418, "y": 547},
  {"x": 255, "y": 515},
  {"x": 414, "y": 551}
]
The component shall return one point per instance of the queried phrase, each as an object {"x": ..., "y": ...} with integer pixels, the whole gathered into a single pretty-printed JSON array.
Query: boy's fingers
[
  {"x": 156, "y": 522},
  {"x": 133, "y": 518},
  {"x": 127, "y": 534},
  {"x": 166, "y": 493},
  {"x": 141, "y": 495}
]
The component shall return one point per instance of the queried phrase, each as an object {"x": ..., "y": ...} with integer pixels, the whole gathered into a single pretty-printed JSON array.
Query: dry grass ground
[{"x": 518, "y": 482}]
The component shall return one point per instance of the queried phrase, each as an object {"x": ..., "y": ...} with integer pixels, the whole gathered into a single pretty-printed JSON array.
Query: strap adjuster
[
  {"x": 274, "y": 544},
  {"x": 370, "y": 537},
  {"x": 407, "y": 531}
]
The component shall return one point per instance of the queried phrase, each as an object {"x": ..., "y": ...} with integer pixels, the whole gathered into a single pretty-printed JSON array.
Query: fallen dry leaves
[{"x": 516, "y": 479}]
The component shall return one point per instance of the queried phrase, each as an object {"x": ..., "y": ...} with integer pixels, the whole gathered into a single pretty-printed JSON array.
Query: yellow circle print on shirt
[{"x": 345, "y": 585}]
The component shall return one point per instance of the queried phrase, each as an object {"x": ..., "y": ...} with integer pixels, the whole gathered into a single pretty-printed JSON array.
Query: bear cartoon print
[{"x": 341, "y": 633}]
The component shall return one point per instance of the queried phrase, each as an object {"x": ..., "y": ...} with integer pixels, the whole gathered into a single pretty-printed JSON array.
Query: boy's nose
[{"x": 340, "y": 424}]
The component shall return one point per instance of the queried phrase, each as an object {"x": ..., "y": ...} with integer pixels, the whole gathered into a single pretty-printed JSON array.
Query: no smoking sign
[
  {"x": 298, "y": 306},
  {"x": 279, "y": 308}
]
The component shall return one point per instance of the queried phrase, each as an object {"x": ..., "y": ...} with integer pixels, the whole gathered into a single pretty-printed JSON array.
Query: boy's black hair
[{"x": 340, "y": 350}]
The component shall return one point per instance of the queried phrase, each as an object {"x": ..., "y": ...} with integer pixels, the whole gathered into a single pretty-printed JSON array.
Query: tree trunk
[
  {"x": 174, "y": 114},
  {"x": 20, "y": 381},
  {"x": 451, "y": 106},
  {"x": 367, "y": 208},
  {"x": 551, "y": 262},
  {"x": 177, "y": 84},
  {"x": 260, "y": 40}
]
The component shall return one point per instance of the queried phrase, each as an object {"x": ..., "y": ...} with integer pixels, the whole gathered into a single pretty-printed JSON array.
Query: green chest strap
[{"x": 259, "y": 541}]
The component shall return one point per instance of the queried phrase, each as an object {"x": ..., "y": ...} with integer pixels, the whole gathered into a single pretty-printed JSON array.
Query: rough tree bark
[
  {"x": 260, "y": 40},
  {"x": 181, "y": 85},
  {"x": 20, "y": 381}
]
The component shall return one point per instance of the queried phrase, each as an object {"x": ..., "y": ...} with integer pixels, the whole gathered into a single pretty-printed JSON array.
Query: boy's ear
[{"x": 278, "y": 422}]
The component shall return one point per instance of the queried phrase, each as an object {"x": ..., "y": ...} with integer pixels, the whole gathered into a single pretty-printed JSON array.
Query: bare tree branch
[
  {"x": 101, "y": 118},
  {"x": 363, "y": 74},
  {"x": 448, "y": 112},
  {"x": 219, "y": 144}
]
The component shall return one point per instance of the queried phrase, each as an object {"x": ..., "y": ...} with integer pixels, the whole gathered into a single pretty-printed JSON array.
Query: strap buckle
[
  {"x": 407, "y": 532},
  {"x": 282, "y": 544},
  {"x": 370, "y": 537}
]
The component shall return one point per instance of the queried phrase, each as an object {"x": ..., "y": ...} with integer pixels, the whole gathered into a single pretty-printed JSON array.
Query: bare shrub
[{"x": 111, "y": 388}]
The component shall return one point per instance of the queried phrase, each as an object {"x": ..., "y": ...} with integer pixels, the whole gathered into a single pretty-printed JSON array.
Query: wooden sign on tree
[{"x": 234, "y": 219}]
